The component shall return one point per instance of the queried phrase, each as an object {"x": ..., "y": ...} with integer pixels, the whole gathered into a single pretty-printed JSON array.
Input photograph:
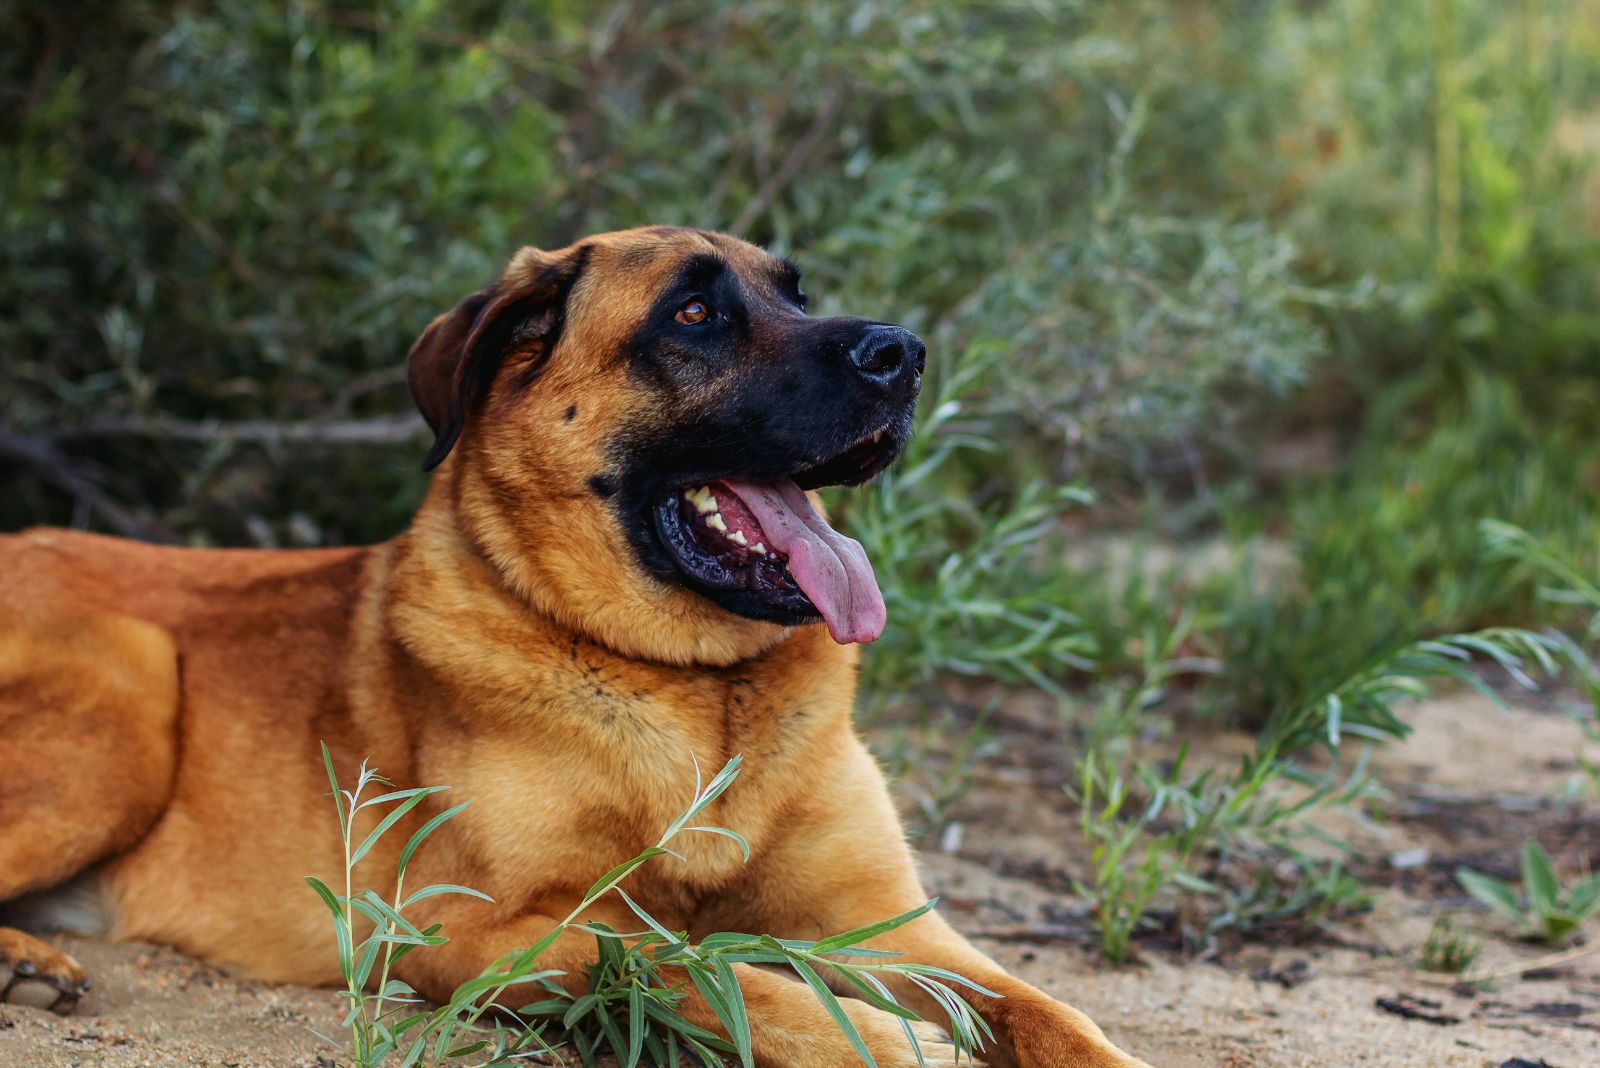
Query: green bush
[
  {"x": 240, "y": 211},
  {"x": 1152, "y": 243},
  {"x": 1390, "y": 550}
]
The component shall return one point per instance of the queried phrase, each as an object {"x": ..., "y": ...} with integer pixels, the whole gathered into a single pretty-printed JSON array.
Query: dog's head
[{"x": 633, "y": 424}]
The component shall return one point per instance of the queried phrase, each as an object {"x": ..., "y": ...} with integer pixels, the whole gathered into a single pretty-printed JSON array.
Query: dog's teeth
[
  {"x": 876, "y": 435},
  {"x": 737, "y": 537},
  {"x": 701, "y": 498},
  {"x": 759, "y": 547},
  {"x": 714, "y": 521}
]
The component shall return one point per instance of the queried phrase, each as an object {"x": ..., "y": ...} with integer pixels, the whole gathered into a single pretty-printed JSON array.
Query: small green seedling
[
  {"x": 1449, "y": 949},
  {"x": 1549, "y": 914}
]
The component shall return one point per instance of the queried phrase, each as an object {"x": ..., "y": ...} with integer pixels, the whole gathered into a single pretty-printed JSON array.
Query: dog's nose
[{"x": 886, "y": 353}]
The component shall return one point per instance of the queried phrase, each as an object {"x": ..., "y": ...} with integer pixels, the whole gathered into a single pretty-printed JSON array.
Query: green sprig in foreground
[{"x": 633, "y": 1005}]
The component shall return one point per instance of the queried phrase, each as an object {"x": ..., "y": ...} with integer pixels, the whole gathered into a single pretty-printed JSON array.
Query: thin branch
[
  {"x": 377, "y": 430},
  {"x": 69, "y": 476},
  {"x": 364, "y": 384}
]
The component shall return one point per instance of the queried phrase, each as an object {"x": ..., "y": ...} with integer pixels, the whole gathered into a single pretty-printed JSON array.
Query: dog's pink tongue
[{"x": 832, "y": 569}]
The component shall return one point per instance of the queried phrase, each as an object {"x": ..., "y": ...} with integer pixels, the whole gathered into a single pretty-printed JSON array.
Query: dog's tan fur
[{"x": 160, "y": 711}]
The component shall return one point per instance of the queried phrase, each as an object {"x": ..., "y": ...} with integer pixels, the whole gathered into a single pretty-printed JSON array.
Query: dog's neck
[{"x": 564, "y": 569}]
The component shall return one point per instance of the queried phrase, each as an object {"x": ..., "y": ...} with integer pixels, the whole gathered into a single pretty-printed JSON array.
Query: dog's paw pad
[{"x": 36, "y": 974}]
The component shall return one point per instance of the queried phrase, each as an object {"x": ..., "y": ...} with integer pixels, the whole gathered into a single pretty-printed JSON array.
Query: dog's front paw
[
  {"x": 33, "y": 973},
  {"x": 1044, "y": 1033}
]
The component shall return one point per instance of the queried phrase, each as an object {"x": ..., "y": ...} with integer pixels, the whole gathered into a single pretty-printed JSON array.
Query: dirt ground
[{"x": 1469, "y": 787}]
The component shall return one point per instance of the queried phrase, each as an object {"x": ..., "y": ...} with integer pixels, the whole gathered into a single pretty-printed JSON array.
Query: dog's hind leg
[{"x": 88, "y": 746}]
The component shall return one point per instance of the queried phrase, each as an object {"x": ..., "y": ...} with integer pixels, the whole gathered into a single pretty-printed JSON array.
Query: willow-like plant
[{"x": 633, "y": 1005}]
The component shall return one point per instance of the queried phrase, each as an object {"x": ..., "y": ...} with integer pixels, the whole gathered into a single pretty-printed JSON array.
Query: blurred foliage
[
  {"x": 246, "y": 210},
  {"x": 1163, "y": 251},
  {"x": 1389, "y": 550}
]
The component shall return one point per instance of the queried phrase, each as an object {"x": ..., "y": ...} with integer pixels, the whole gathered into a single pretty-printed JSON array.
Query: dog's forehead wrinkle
[
  {"x": 633, "y": 249},
  {"x": 699, "y": 268}
]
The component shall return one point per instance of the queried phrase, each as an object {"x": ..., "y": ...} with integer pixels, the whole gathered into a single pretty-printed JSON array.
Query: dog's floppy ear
[{"x": 453, "y": 363}]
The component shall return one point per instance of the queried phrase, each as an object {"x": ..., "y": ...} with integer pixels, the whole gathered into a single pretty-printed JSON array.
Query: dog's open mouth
[{"x": 765, "y": 538}]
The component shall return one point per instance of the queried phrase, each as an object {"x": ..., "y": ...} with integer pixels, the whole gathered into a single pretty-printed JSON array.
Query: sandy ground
[{"x": 1468, "y": 788}]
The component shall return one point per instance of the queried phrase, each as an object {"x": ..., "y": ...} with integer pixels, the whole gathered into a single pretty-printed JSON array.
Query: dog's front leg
[
  {"x": 1032, "y": 1029},
  {"x": 846, "y": 865}
]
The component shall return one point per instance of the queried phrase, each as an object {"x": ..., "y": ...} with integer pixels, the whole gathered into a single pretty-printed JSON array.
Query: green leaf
[
  {"x": 691, "y": 1032},
  {"x": 333, "y": 780},
  {"x": 1539, "y": 878},
  {"x": 1584, "y": 900},
  {"x": 613, "y": 1033},
  {"x": 871, "y": 930},
  {"x": 398, "y": 795},
  {"x": 379, "y": 912},
  {"x": 341, "y": 937},
  {"x": 621, "y": 871},
  {"x": 834, "y": 1009},
  {"x": 636, "y": 1020},
  {"x": 948, "y": 976},
  {"x": 431, "y": 936},
  {"x": 916, "y": 1045},
  {"x": 469, "y": 991},
  {"x": 423, "y": 832},
  {"x": 444, "y": 888},
  {"x": 874, "y": 993},
  {"x": 1195, "y": 884},
  {"x": 1557, "y": 925},
  {"x": 579, "y": 1009},
  {"x": 649, "y": 920},
  {"x": 714, "y": 789},
  {"x": 329, "y": 898},
  {"x": 744, "y": 846},
  {"x": 739, "y": 1018},
  {"x": 395, "y": 815},
  {"x": 548, "y": 1007},
  {"x": 1491, "y": 892},
  {"x": 705, "y": 1052},
  {"x": 365, "y": 962}
]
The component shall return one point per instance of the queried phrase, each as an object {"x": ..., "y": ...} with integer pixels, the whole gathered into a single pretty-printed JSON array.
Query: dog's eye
[{"x": 695, "y": 311}]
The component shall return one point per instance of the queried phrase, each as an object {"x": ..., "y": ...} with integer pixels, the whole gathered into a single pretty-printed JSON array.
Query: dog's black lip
[
  {"x": 817, "y": 475},
  {"x": 810, "y": 475}
]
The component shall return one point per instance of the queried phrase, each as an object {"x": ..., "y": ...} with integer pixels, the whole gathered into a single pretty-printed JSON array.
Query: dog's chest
[
  {"x": 755, "y": 712},
  {"x": 600, "y": 755}
]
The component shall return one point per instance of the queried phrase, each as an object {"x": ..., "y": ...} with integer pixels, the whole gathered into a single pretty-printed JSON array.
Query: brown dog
[{"x": 616, "y": 572}]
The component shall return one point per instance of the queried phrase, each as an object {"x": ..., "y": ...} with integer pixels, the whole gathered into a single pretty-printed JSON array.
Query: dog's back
[{"x": 49, "y": 572}]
